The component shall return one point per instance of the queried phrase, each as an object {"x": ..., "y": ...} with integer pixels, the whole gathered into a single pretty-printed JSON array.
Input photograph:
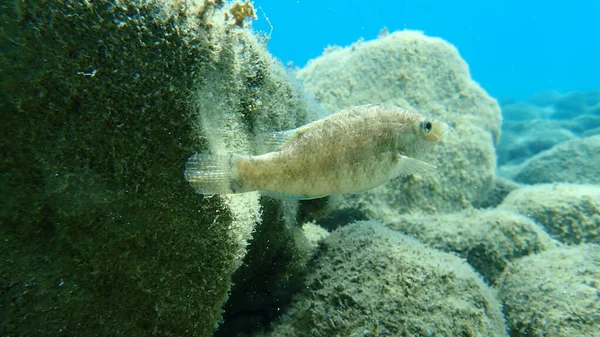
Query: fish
[{"x": 350, "y": 151}]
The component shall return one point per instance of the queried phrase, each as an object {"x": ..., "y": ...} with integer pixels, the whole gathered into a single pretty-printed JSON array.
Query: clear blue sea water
[{"x": 513, "y": 48}]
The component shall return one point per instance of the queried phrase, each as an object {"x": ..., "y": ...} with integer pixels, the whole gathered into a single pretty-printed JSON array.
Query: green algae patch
[
  {"x": 570, "y": 213},
  {"x": 567, "y": 277},
  {"x": 102, "y": 103},
  {"x": 489, "y": 240},
  {"x": 368, "y": 280}
]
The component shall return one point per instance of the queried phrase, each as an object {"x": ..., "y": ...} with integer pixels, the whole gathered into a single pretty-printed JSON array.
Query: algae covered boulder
[
  {"x": 428, "y": 75},
  {"x": 568, "y": 212},
  {"x": 554, "y": 293},
  {"x": 521, "y": 111},
  {"x": 102, "y": 102},
  {"x": 576, "y": 161},
  {"x": 570, "y": 105},
  {"x": 592, "y": 132},
  {"x": 502, "y": 187},
  {"x": 546, "y": 98},
  {"x": 529, "y": 129},
  {"x": 488, "y": 239},
  {"x": 371, "y": 281},
  {"x": 519, "y": 143},
  {"x": 587, "y": 122}
]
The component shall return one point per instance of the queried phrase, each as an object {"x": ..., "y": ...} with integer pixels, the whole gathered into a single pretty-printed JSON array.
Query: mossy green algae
[{"x": 102, "y": 102}]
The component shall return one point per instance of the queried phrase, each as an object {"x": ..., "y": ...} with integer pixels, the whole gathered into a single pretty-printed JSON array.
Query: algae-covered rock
[
  {"x": 568, "y": 212},
  {"x": 427, "y": 74},
  {"x": 545, "y": 98},
  {"x": 371, "y": 281},
  {"x": 102, "y": 102},
  {"x": 539, "y": 125},
  {"x": 521, "y": 145},
  {"x": 592, "y": 132},
  {"x": 592, "y": 97},
  {"x": 595, "y": 110},
  {"x": 521, "y": 111},
  {"x": 575, "y": 161},
  {"x": 548, "y": 120},
  {"x": 587, "y": 122},
  {"x": 522, "y": 140},
  {"x": 488, "y": 239},
  {"x": 570, "y": 105},
  {"x": 314, "y": 233},
  {"x": 554, "y": 293},
  {"x": 502, "y": 187},
  {"x": 277, "y": 255}
]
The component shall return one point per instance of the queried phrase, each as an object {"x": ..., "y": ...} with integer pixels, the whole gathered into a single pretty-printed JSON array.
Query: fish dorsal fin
[
  {"x": 273, "y": 141},
  {"x": 407, "y": 166}
]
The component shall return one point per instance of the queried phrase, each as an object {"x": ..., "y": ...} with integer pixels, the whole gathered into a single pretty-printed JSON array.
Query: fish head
[{"x": 431, "y": 130}]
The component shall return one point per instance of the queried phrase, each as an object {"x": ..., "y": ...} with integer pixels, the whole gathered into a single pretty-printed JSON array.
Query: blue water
[{"x": 513, "y": 48}]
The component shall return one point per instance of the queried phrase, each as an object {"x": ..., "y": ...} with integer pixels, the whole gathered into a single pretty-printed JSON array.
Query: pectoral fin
[{"x": 406, "y": 166}]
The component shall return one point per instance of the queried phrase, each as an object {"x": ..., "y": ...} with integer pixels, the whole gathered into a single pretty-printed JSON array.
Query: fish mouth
[{"x": 438, "y": 131}]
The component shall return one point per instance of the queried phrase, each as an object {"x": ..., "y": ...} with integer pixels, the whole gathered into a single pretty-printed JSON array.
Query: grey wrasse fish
[{"x": 346, "y": 152}]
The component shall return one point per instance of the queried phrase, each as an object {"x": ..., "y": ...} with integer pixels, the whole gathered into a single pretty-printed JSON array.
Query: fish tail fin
[{"x": 211, "y": 174}]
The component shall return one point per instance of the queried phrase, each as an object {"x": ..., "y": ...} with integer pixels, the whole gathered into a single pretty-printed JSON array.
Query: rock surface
[
  {"x": 575, "y": 161},
  {"x": 547, "y": 120},
  {"x": 521, "y": 142},
  {"x": 502, "y": 187},
  {"x": 521, "y": 111},
  {"x": 102, "y": 103},
  {"x": 487, "y": 239},
  {"x": 568, "y": 212},
  {"x": 570, "y": 105},
  {"x": 369, "y": 280},
  {"x": 554, "y": 293},
  {"x": 427, "y": 74}
]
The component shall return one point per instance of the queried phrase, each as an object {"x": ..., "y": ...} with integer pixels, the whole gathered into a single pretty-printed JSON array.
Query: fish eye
[{"x": 427, "y": 126}]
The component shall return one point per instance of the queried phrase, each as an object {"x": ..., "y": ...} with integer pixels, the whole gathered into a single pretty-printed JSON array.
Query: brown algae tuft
[{"x": 241, "y": 11}]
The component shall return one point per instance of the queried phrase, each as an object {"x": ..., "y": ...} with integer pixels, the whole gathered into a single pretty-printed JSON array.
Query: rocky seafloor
[
  {"x": 102, "y": 235},
  {"x": 521, "y": 228}
]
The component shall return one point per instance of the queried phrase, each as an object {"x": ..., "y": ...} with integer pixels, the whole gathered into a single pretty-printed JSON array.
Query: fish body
[{"x": 347, "y": 152}]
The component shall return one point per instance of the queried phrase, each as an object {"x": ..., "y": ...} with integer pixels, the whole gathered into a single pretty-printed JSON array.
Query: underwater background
[
  {"x": 513, "y": 48},
  {"x": 103, "y": 233}
]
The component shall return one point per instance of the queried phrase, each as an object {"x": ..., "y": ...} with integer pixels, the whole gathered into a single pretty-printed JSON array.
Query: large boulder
[
  {"x": 570, "y": 105},
  {"x": 592, "y": 132},
  {"x": 587, "y": 122},
  {"x": 545, "y": 98},
  {"x": 102, "y": 102},
  {"x": 575, "y": 161},
  {"x": 371, "y": 281},
  {"x": 554, "y": 293},
  {"x": 576, "y": 103},
  {"x": 521, "y": 111},
  {"x": 487, "y": 239},
  {"x": 568, "y": 212},
  {"x": 502, "y": 187},
  {"x": 518, "y": 146},
  {"x": 595, "y": 110},
  {"x": 428, "y": 75},
  {"x": 529, "y": 129}
]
